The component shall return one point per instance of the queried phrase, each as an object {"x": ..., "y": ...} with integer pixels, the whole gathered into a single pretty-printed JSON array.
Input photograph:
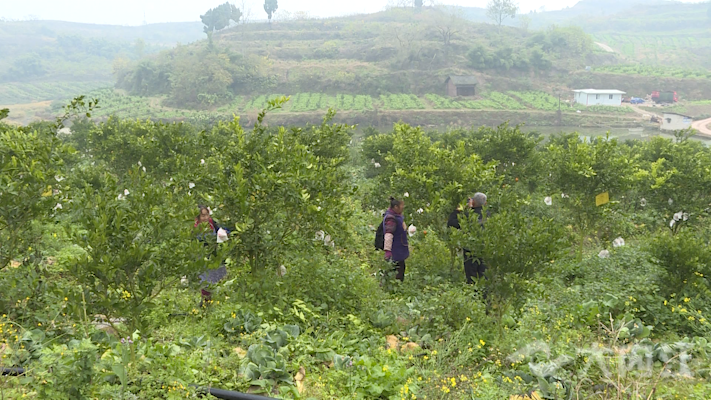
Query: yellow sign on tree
[{"x": 602, "y": 199}]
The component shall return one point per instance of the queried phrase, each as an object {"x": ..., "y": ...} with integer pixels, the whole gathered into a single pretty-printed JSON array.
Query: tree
[
  {"x": 246, "y": 12},
  {"x": 524, "y": 21},
  {"x": 140, "y": 47},
  {"x": 448, "y": 25},
  {"x": 276, "y": 186},
  {"x": 419, "y": 3},
  {"x": 30, "y": 167},
  {"x": 270, "y": 7},
  {"x": 583, "y": 170},
  {"x": 27, "y": 67},
  {"x": 137, "y": 241},
  {"x": 218, "y": 18},
  {"x": 499, "y": 10}
]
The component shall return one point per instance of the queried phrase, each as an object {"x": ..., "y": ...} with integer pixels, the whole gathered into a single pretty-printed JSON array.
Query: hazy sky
[{"x": 131, "y": 12}]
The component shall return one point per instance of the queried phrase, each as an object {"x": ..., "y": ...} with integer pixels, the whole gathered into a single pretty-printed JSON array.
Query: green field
[
  {"x": 649, "y": 70},
  {"x": 21, "y": 93},
  {"x": 113, "y": 102}
]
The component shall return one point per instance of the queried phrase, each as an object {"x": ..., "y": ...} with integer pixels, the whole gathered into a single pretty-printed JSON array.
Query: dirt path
[
  {"x": 605, "y": 47},
  {"x": 703, "y": 127}
]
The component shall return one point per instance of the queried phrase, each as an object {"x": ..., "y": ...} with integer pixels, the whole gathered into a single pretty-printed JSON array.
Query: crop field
[
  {"x": 491, "y": 101},
  {"x": 401, "y": 102},
  {"x": 260, "y": 102},
  {"x": 656, "y": 48},
  {"x": 347, "y": 102},
  {"x": 650, "y": 70},
  {"x": 116, "y": 103},
  {"x": 20, "y": 93},
  {"x": 539, "y": 100},
  {"x": 607, "y": 109},
  {"x": 233, "y": 107}
]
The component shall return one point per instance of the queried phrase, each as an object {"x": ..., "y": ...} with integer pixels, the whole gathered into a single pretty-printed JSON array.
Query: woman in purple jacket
[{"x": 397, "y": 248}]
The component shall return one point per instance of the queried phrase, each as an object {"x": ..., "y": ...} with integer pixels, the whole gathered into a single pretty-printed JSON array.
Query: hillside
[
  {"x": 656, "y": 32},
  {"x": 47, "y": 60},
  {"x": 375, "y": 69},
  {"x": 398, "y": 51}
]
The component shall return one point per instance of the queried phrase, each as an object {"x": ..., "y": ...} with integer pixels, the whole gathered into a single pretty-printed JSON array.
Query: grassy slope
[
  {"x": 653, "y": 32},
  {"x": 397, "y": 51},
  {"x": 76, "y": 57}
]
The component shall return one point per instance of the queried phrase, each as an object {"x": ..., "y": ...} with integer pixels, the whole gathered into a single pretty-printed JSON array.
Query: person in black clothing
[{"x": 473, "y": 266}]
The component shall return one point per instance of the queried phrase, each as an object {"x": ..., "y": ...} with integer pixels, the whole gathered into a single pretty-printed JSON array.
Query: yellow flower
[
  {"x": 434, "y": 352},
  {"x": 686, "y": 299},
  {"x": 482, "y": 342},
  {"x": 385, "y": 368}
]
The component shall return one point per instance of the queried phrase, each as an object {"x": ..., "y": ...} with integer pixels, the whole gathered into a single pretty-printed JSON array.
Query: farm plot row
[
  {"x": 650, "y": 70},
  {"x": 114, "y": 103},
  {"x": 652, "y": 42},
  {"x": 20, "y": 93},
  {"x": 302, "y": 102}
]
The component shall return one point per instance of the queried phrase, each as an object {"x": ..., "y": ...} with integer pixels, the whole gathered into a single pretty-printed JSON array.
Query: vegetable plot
[
  {"x": 539, "y": 100},
  {"x": 401, "y": 102}
]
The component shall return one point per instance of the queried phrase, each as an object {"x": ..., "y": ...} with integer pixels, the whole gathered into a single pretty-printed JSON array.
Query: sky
[{"x": 136, "y": 12}]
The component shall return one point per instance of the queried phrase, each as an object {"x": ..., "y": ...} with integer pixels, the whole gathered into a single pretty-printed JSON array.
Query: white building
[
  {"x": 676, "y": 122},
  {"x": 594, "y": 97}
]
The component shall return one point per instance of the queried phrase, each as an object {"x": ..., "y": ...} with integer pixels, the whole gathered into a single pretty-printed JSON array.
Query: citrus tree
[
  {"x": 137, "y": 239},
  {"x": 433, "y": 179},
  {"x": 277, "y": 187},
  {"x": 679, "y": 171},
  {"x": 30, "y": 165},
  {"x": 163, "y": 149},
  {"x": 579, "y": 171},
  {"x": 515, "y": 246}
]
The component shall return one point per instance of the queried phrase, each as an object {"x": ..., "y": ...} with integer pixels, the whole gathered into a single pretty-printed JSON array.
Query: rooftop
[
  {"x": 599, "y": 91},
  {"x": 463, "y": 80}
]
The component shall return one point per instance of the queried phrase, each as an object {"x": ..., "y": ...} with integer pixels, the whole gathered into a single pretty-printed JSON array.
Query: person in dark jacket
[
  {"x": 397, "y": 248},
  {"x": 473, "y": 266},
  {"x": 209, "y": 228}
]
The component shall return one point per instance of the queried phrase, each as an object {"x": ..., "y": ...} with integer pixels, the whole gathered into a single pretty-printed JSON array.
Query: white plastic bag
[
  {"x": 412, "y": 230},
  {"x": 222, "y": 236}
]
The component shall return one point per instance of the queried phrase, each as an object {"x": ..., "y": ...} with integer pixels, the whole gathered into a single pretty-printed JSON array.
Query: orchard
[{"x": 597, "y": 252}]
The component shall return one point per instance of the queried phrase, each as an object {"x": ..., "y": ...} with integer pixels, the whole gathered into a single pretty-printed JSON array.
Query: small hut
[{"x": 461, "y": 85}]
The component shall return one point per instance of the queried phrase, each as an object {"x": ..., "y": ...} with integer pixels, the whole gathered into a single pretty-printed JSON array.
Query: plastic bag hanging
[{"x": 222, "y": 236}]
